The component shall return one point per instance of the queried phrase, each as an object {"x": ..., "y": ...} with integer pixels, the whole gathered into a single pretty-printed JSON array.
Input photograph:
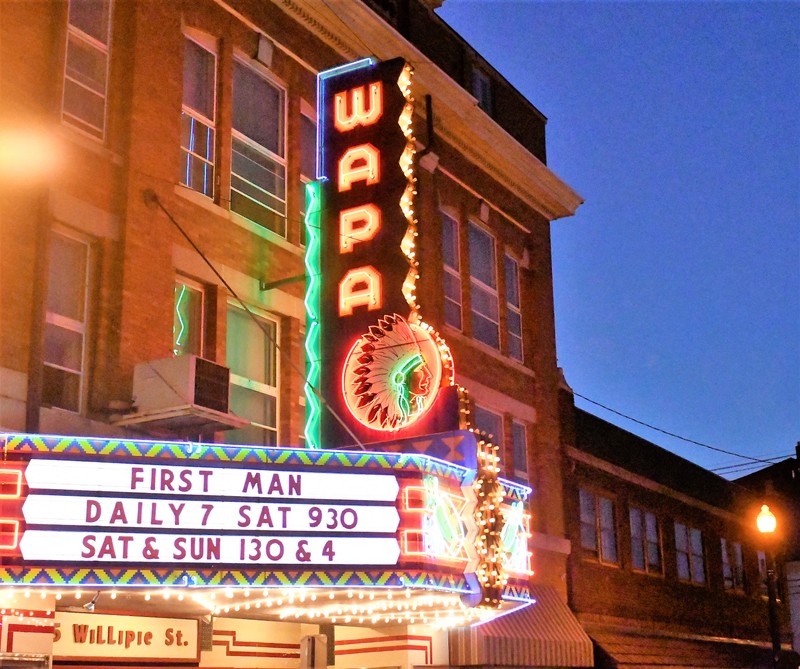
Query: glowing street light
[
  {"x": 767, "y": 524},
  {"x": 766, "y": 521}
]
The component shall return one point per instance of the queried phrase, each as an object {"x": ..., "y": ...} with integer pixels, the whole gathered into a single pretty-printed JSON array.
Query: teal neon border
[{"x": 312, "y": 302}]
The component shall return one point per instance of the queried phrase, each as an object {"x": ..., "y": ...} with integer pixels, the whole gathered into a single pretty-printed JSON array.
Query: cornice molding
[
  {"x": 354, "y": 30},
  {"x": 643, "y": 482}
]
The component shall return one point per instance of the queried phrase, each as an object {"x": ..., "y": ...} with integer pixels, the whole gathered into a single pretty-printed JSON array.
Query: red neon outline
[
  {"x": 371, "y": 171},
  {"x": 358, "y": 116}
]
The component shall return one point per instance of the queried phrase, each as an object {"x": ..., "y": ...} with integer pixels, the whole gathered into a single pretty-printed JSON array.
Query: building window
[
  {"x": 645, "y": 541},
  {"x": 65, "y": 323},
  {"x": 258, "y": 166},
  {"x": 308, "y": 166},
  {"x": 482, "y": 89},
  {"x": 513, "y": 309},
  {"x": 483, "y": 284},
  {"x": 598, "y": 526},
  {"x": 689, "y": 549},
  {"x": 452, "y": 271},
  {"x": 763, "y": 586},
  {"x": 492, "y": 424},
  {"x": 197, "y": 117},
  {"x": 519, "y": 441},
  {"x": 253, "y": 361},
  {"x": 732, "y": 566},
  {"x": 188, "y": 318},
  {"x": 86, "y": 65}
]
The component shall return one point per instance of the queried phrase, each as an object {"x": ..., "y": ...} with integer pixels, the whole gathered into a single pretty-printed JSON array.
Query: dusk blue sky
[{"x": 677, "y": 283}]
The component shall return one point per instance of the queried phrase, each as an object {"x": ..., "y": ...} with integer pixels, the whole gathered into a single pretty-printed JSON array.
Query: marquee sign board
[
  {"x": 98, "y": 511},
  {"x": 380, "y": 368}
]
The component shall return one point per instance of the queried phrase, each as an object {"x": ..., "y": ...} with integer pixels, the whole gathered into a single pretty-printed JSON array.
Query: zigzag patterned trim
[
  {"x": 412, "y": 462},
  {"x": 48, "y": 576}
]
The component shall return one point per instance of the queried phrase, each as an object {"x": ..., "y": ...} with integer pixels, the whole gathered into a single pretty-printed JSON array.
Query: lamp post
[{"x": 766, "y": 523}]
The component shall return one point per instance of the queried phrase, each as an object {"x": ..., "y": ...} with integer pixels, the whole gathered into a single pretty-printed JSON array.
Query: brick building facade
[
  {"x": 667, "y": 566},
  {"x": 175, "y": 141}
]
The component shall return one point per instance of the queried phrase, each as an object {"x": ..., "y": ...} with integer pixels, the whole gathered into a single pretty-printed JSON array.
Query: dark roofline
[{"x": 637, "y": 455}]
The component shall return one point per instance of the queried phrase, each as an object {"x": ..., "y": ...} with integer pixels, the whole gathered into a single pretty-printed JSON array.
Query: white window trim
[
  {"x": 191, "y": 283},
  {"x": 73, "y": 325},
  {"x": 483, "y": 286},
  {"x": 271, "y": 79},
  {"x": 257, "y": 386},
  {"x": 512, "y": 308},
  {"x": 597, "y": 551},
  {"x": 648, "y": 568},
  {"x": 106, "y": 50},
  {"x": 688, "y": 552},
  {"x": 520, "y": 473},
  {"x": 452, "y": 271}
]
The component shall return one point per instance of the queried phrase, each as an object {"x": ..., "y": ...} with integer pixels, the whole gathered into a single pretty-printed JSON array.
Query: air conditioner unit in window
[{"x": 181, "y": 396}]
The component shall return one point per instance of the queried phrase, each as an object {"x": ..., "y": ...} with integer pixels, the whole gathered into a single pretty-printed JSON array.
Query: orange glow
[
  {"x": 360, "y": 287},
  {"x": 9, "y": 533},
  {"x": 359, "y": 224},
  {"x": 358, "y": 115},
  {"x": 359, "y": 163},
  {"x": 10, "y": 483}
]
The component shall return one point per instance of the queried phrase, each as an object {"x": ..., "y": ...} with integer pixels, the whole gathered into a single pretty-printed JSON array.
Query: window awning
[
  {"x": 544, "y": 634},
  {"x": 617, "y": 649}
]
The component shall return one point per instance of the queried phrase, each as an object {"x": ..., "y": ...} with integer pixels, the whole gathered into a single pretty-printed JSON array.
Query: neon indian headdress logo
[{"x": 393, "y": 373}]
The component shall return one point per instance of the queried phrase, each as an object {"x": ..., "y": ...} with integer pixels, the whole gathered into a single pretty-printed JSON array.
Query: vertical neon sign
[{"x": 378, "y": 365}]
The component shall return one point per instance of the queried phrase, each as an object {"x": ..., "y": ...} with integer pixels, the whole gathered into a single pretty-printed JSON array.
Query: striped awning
[{"x": 544, "y": 634}]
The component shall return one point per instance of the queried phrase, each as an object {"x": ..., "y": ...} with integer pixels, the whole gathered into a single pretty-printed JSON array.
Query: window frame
[
  {"x": 477, "y": 283},
  {"x": 71, "y": 324},
  {"x": 597, "y": 551},
  {"x": 645, "y": 542},
  {"x": 512, "y": 308},
  {"x": 73, "y": 31},
  {"x": 520, "y": 473},
  {"x": 732, "y": 566},
  {"x": 453, "y": 272},
  {"x": 180, "y": 279},
  {"x": 306, "y": 112},
  {"x": 498, "y": 437},
  {"x": 238, "y": 136},
  {"x": 209, "y": 45},
  {"x": 257, "y": 386},
  {"x": 690, "y": 554},
  {"x": 763, "y": 573},
  {"x": 482, "y": 89}
]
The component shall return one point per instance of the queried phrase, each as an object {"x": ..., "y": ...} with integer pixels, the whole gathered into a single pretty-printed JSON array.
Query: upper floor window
[
  {"x": 689, "y": 551},
  {"x": 732, "y": 565},
  {"x": 258, "y": 166},
  {"x": 598, "y": 526},
  {"x": 188, "y": 318},
  {"x": 198, "y": 135},
  {"x": 645, "y": 541},
  {"x": 452, "y": 271},
  {"x": 308, "y": 167},
  {"x": 483, "y": 284},
  {"x": 66, "y": 322},
  {"x": 492, "y": 424},
  {"x": 519, "y": 441},
  {"x": 252, "y": 357},
  {"x": 86, "y": 65},
  {"x": 513, "y": 309},
  {"x": 482, "y": 89}
]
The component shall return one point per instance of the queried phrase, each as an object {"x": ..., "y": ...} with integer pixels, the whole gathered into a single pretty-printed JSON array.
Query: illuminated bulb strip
[
  {"x": 489, "y": 492},
  {"x": 408, "y": 245},
  {"x": 312, "y": 303}
]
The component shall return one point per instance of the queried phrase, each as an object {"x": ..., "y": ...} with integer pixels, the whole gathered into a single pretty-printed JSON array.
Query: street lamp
[{"x": 767, "y": 523}]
